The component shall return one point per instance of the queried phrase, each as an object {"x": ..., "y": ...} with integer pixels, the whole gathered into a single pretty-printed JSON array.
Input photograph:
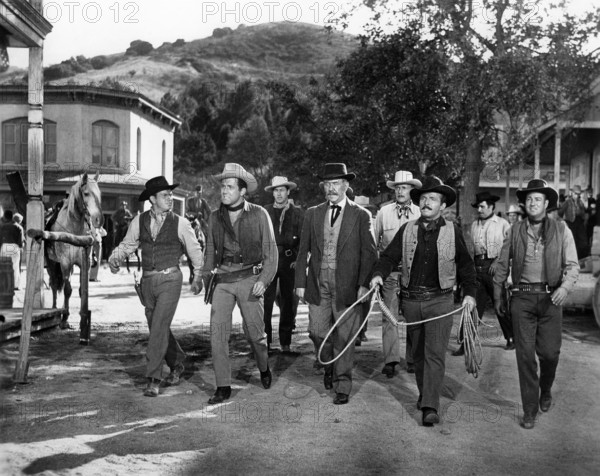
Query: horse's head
[{"x": 85, "y": 199}]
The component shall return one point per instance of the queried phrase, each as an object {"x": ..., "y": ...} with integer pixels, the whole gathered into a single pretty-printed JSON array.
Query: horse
[
  {"x": 80, "y": 212},
  {"x": 200, "y": 227}
]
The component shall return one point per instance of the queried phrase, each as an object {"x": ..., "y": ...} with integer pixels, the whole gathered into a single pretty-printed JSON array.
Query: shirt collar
[
  {"x": 436, "y": 223},
  {"x": 158, "y": 216},
  {"x": 341, "y": 204}
]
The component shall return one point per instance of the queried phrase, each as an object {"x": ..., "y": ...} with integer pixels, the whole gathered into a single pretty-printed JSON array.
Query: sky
[{"x": 90, "y": 28}]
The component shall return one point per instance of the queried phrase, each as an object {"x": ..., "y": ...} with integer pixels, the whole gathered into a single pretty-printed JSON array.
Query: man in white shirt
[
  {"x": 389, "y": 220},
  {"x": 487, "y": 234}
]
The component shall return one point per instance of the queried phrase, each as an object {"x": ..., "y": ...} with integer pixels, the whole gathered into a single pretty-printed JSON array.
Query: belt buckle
[
  {"x": 547, "y": 288},
  {"x": 288, "y": 252},
  {"x": 256, "y": 269},
  {"x": 166, "y": 271}
]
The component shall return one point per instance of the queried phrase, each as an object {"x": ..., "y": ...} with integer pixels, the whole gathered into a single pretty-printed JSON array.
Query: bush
[
  {"x": 179, "y": 42},
  {"x": 139, "y": 48},
  {"x": 99, "y": 62},
  {"x": 221, "y": 32}
]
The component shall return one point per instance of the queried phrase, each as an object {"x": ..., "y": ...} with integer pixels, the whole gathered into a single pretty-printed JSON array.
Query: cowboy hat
[
  {"x": 484, "y": 197},
  {"x": 232, "y": 170},
  {"x": 539, "y": 186},
  {"x": 403, "y": 177},
  {"x": 432, "y": 183},
  {"x": 278, "y": 181},
  {"x": 336, "y": 171},
  {"x": 515, "y": 209},
  {"x": 155, "y": 185},
  {"x": 198, "y": 188}
]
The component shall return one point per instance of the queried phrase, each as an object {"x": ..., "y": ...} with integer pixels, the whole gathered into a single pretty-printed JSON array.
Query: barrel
[{"x": 7, "y": 283}]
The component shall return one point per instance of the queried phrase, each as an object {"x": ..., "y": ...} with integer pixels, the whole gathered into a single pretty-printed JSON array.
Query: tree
[{"x": 534, "y": 68}]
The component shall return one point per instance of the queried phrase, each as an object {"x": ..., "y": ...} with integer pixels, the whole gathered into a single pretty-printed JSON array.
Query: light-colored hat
[
  {"x": 577, "y": 189},
  {"x": 278, "y": 181},
  {"x": 361, "y": 200},
  {"x": 232, "y": 170},
  {"x": 514, "y": 209},
  {"x": 404, "y": 177}
]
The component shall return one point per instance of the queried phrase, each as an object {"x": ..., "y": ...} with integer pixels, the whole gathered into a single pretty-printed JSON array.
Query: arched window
[
  {"x": 139, "y": 150},
  {"x": 105, "y": 144},
  {"x": 164, "y": 157},
  {"x": 14, "y": 141}
]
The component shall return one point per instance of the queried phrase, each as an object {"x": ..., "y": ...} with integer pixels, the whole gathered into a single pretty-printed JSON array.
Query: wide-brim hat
[
  {"x": 539, "y": 186},
  {"x": 279, "y": 181},
  {"x": 432, "y": 183},
  {"x": 484, "y": 197},
  {"x": 515, "y": 209},
  {"x": 232, "y": 170},
  {"x": 155, "y": 185},
  {"x": 334, "y": 171},
  {"x": 403, "y": 177}
]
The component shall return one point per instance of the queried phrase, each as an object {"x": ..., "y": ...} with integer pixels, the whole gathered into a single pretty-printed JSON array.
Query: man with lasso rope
[
  {"x": 544, "y": 263},
  {"x": 434, "y": 258},
  {"x": 337, "y": 252}
]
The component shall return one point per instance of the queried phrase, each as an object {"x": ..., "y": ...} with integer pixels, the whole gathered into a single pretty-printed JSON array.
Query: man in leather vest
[
  {"x": 337, "y": 251},
  {"x": 242, "y": 253},
  {"x": 163, "y": 238},
  {"x": 544, "y": 263},
  {"x": 389, "y": 220},
  {"x": 287, "y": 225},
  {"x": 434, "y": 256}
]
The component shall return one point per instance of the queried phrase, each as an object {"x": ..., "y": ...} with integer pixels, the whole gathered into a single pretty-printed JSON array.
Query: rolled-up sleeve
[
  {"x": 570, "y": 261},
  {"x": 130, "y": 243},
  {"x": 188, "y": 239}
]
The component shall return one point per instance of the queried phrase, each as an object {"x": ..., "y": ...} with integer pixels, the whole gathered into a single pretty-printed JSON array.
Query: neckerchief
[
  {"x": 403, "y": 209},
  {"x": 285, "y": 207},
  {"x": 159, "y": 219}
]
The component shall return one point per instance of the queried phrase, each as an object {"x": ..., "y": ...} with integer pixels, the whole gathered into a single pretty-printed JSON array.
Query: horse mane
[{"x": 75, "y": 201}]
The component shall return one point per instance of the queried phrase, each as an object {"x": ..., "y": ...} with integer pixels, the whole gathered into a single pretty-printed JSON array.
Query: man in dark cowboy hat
[
  {"x": 389, "y": 220},
  {"x": 163, "y": 237},
  {"x": 339, "y": 238},
  {"x": 434, "y": 255},
  {"x": 197, "y": 206},
  {"x": 287, "y": 224},
  {"x": 241, "y": 250},
  {"x": 541, "y": 256},
  {"x": 487, "y": 235}
]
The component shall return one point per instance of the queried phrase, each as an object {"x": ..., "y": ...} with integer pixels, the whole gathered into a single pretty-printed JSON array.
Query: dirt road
[{"x": 83, "y": 411}]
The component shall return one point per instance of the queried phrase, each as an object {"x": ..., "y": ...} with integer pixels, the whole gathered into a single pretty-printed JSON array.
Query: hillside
[{"x": 275, "y": 51}]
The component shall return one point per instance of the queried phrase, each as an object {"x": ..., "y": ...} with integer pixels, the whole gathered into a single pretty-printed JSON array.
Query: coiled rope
[{"x": 470, "y": 338}]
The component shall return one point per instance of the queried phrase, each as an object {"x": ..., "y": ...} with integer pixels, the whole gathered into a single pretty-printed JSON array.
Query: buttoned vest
[
  {"x": 165, "y": 251},
  {"x": 330, "y": 240},
  {"x": 446, "y": 248}
]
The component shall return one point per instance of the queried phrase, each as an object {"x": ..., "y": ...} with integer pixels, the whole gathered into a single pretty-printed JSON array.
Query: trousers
[
  {"x": 287, "y": 314},
  {"x": 320, "y": 319},
  {"x": 389, "y": 333},
  {"x": 429, "y": 343},
  {"x": 161, "y": 296},
  {"x": 538, "y": 332},
  {"x": 225, "y": 297}
]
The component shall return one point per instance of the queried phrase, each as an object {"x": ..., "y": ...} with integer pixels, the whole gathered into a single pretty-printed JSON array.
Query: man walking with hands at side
[
  {"x": 541, "y": 256},
  {"x": 337, "y": 252},
  {"x": 242, "y": 253},
  {"x": 389, "y": 220},
  {"x": 434, "y": 257}
]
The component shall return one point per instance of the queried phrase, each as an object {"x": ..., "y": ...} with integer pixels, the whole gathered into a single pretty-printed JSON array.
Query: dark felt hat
[
  {"x": 155, "y": 185},
  {"x": 539, "y": 186},
  {"x": 336, "y": 171},
  {"x": 484, "y": 197},
  {"x": 432, "y": 183}
]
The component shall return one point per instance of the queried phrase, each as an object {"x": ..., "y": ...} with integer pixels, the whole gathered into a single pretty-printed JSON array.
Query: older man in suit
[{"x": 338, "y": 236}]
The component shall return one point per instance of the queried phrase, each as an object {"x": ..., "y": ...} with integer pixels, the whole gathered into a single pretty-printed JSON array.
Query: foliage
[{"x": 139, "y": 48}]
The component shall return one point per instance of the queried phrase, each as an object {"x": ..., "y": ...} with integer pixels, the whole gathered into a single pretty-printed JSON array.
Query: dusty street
[{"x": 83, "y": 411}]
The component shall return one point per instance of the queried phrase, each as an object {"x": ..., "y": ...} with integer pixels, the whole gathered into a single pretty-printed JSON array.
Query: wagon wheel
[{"x": 596, "y": 301}]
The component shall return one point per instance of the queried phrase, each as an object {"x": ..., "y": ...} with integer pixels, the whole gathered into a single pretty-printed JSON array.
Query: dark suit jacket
[{"x": 356, "y": 253}]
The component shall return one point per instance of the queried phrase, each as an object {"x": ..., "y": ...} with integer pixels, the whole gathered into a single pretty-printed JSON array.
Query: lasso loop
[{"x": 467, "y": 320}]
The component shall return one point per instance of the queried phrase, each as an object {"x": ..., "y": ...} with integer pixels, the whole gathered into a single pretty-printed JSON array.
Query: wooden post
[
  {"x": 557, "y": 145},
  {"x": 536, "y": 162},
  {"x": 20, "y": 375},
  {"x": 84, "y": 313}
]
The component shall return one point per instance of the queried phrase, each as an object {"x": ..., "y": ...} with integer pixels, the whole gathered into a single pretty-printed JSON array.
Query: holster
[
  {"x": 137, "y": 285},
  {"x": 210, "y": 287}
]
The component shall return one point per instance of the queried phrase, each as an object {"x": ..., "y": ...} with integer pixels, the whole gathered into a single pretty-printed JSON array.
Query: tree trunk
[{"x": 473, "y": 166}]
